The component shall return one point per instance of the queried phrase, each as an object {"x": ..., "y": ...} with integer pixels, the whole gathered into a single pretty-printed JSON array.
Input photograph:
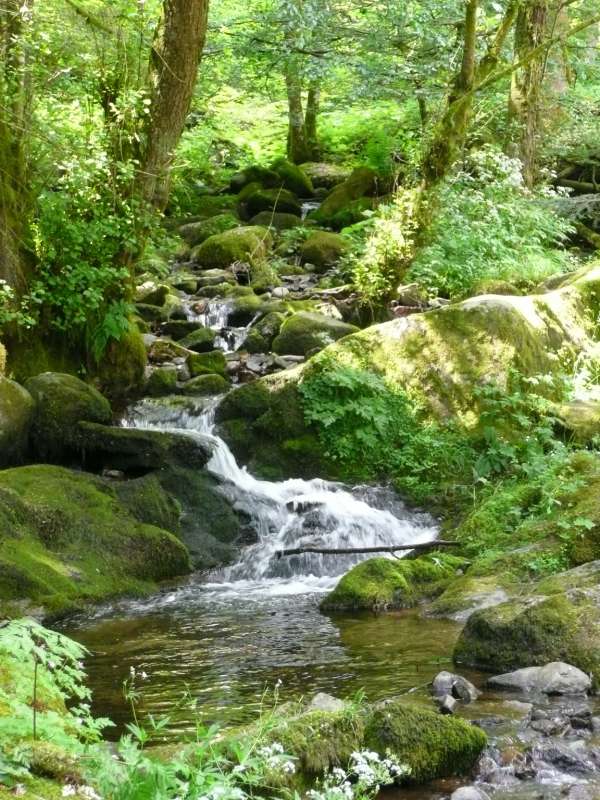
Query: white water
[{"x": 291, "y": 514}]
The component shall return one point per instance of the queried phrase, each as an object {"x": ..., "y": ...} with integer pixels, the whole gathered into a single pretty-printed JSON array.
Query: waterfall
[{"x": 292, "y": 513}]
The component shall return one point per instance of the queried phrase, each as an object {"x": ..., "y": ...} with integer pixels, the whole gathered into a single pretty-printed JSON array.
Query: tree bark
[
  {"x": 311, "y": 120},
  {"x": 297, "y": 146},
  {"x": 527, "y": 81},
  {"x": 15, "y": 108},
  {"x": 174, "y": 61}
]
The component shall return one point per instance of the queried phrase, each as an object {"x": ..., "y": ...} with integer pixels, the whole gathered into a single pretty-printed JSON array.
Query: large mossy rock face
[
  {"x": 250, "y": 245},
  {"x": 384, "y": 583},
  {"x": 16, "y": 414},
  {"x": 439, "y": 358},
  {"x": 537, "y": 630},
  {"x": 61, "y": 402},
  {"x": 323, "y": 249},
  {"x": 306, "y": 331},
  {"x": 276, "y": 200},
  {"x": 195, "y": 233},
  {"x": 66, "y": 538},
  {"x": 363, "y": 182},
  {"x": 293, "y": 178},
  {"x": 429, "y": 745}
]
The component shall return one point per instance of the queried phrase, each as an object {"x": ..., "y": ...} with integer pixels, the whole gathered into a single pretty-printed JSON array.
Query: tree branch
[{"x": 346, "y": 551}]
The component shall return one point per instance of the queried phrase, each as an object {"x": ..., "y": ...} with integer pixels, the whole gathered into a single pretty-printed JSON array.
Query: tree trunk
[
  {"x": 310, "y": 120},
  {"x": 297, "y": 146},
  {"x": 450, "y": 135},
  {"x": 15, "y": 109},
  {"x": 526, "y": 85},
  {"x": 174, "y": 61}
]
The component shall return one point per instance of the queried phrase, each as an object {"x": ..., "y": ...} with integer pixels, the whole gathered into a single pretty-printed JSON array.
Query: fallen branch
[
  {"x": 347, "y": 551},
  {"x": 580, "y": 186}
]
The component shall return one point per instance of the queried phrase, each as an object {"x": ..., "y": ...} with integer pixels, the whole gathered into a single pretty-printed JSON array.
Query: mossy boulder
[
  {"x": 211, "y": 205},
  {"x": 255, "y": 173},
  {"x": 325, "y": 176},
  {"x": 535, "y": 631},
  {"x": 363, "y": 182},
  {"x": 277, "y": 220},
  {"x": 247, "y": 244},
  {"x": 246, "y": 307},
  {"x": 211, "y": 363},
  {"x": 581, "y": 419},
  {"x": 495, "y": 287},
  {"x": 205, "y": 385},
  {"x": 178, "y": 329},
  {"x": 61, "y": 402},
  {"x": 277, "y": 200},
  {"x": 16, "y": 415},
  {"x": 66, "y": 540},
  {"x": 195, "y": 233},
  {"x": 306, "y": 331},
  {"x": 293, "y": 178},
  {"x": 385, "y": 583},
  {"x": 120, "y": 372},
  {"x": 323, "y": 249},
  {"x": 261, "y": 336},
  {"x": 468, "y": 594},
  {"x": 202, "y": 340},
  {"x": 151, "y": 293},
  {"x": 429, "y": 745},
  {"x": 2, "y": 359},
  {"x": 161, "y": 381}
]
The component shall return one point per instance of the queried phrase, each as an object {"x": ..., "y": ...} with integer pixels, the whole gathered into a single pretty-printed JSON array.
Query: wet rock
[
  {"x": 151, "y": 293},
  {"x": 177, "y": 329},
  {"x": 567, "y": 758},
  {"x": 202, "y": 340},
  {"x": 306, "y": 331},
  {"x": 280, "y": 291},
  {"x": 446, "y": 704},
  {"x": 161, "y": 381},
  {"x": 326, "y": 702},
  {"x": 554, "y": 678},
  {"x": 205, "y": 385},
  {"x": 447, "y": 683},
  {"x": 469, "y": 793},
  {"x": 248, "y": 244}
]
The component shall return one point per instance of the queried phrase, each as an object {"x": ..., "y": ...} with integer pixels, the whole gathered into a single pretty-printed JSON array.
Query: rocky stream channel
[{"x": 238, "y": 639}]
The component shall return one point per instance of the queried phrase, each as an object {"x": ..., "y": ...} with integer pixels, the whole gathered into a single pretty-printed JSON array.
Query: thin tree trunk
[
  {"x": 297, "y": 146},
  {"x": 526, "y": 84},
  {"x": 174, "y": 61},
  {"x": 311, "y": 120}
]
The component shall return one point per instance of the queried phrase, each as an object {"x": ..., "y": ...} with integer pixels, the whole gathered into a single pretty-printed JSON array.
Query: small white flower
[{"x": 69, "y": 790}]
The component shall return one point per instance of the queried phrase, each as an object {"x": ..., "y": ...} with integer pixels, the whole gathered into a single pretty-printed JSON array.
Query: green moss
[
  {"x": 495, "y": 287},
  {"x": 207, "y": 363},
  {"x": 276, "y": 220},
  {"x": 249, "y": 245},
  {"x": 120, "y": 372},
  {"x": 293, "y": 177},
  {"x": 161, "y": 381},
  {"x": 211, "y": 205},
  {"x": 66, "y": 539},
  {"x": 383, "y": 583},
  {"x": 61, "y": 402},
  {"x": 195, "y": 233},
  {"x": 16, "y": 414},
  {"x": 205, "y": 385},
  {"x": 254, "y": 174},
  {"x": 306, "y": 331},
  {"x": 323, "y": 249},
  {"x": 201, "y": 340},
  {"x": 278, "y": 200},
  {"x": 34, "y": 789}
]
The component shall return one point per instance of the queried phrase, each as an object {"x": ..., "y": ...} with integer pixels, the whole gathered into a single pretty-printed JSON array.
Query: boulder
[
  {"x": 211, "y": 205},
  {"x": 323, "y": 249},
  {"x": 178, "y": 329},
  {"x": 325, "y": 702},
  {"x": 381, "y": 583},
  {"x": 447, "y": 683},
  {"x": 2, "y": 359},
  {"x": 151, "y": 293},
  {"x": 580, "y": 418},
  {"x": 213, "y": 362},
  {"x": 195, "y": 233},
  {"x": 278, "y": 200},
  {"x": 363, "y": 182},
  {"x": 205, "y": 385},
  {"x": 16, "y": 414},
  {"x": 293, "y": 178},
  {"x": 554, "y": 679},
  {"x": 305, "y": 331},
  {"x": 325, "y": 176},
  {"x": 261, "y": 336},
  {"x": 263, "y": 176},
  {"x": 161, "y": 381},
  {"x": 120, "y": 372},
  {"x": 248, "y": 245},
  {"x": 277, "y": 220},
  {"x": 215, "y": 277},
  {"x": 162, "y": 350},
  {"x": 202, "y": 340},
  {"x": 469, "y": 793},
  {"x": 61, "y": 402},
  {"x": 68, "y": 539}
]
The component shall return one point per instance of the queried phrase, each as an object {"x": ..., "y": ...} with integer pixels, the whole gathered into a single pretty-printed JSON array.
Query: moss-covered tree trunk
[
  {"x": 527, "y": 82},
  {"x": 311, "y": 119},
  {"x": 174, "y": 61},
  {"x": 298, "y": 150},
  {"x": 15, "y": 109}
]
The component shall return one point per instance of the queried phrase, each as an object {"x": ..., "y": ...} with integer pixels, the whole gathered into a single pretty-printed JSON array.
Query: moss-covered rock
[
  {"x": 61, "y": 402},
  {"x": 66, "y": 539},
  {"x": 245, "y": 307},
  {"x": 325, "y": 176},
  {"x": 261, "y": 335},
  {"x": 429, "y": 745},
  {"x": 535, "y": 631},
  {"x": 468, "y": 594},
  {"x": 211, "y": 363},
  {"x": 293, "y": 178},
  {"x": 151, "y": 293},
  {"x": 248, "y": 244},
  {"x": 385, "y": 583},
  {"x": 263, "y": 176},
  {"x": 278, "y": 200},
  {"x": 2, "y": 359},
  {"x": 323, "y": 249},
  {"x": 195, "y": 233},
  {"x": 178, "y": 329},
  {"x": 16, "y": 414},
  {"x": 120, "y": 372},
  {"x": 211, "y": 205},
  {"x": 581, "y": 419},
  {"x": 495, "y": 287},
  {"x": 306, "y": 331},
  {"x": 161, "y": 381},
  {"x": 202, "y": 340},
  {"x": 277, "y": 220},
  {"x": 363, "y": 182},
  {"x": 205, "y": 385}
]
